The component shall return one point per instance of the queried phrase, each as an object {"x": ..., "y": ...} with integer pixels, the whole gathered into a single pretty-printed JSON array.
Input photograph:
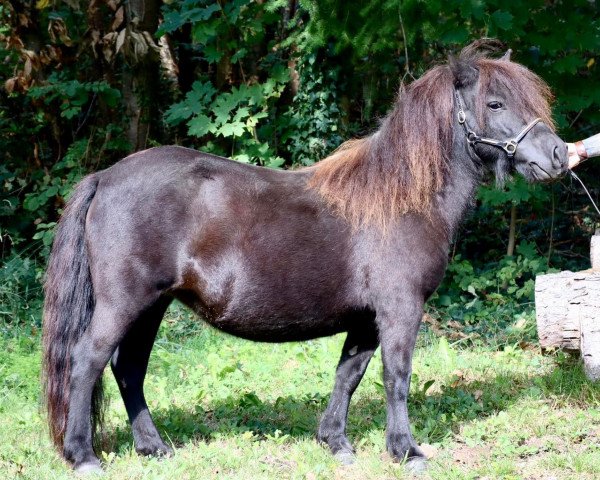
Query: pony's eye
[{"x": 495, "y": 106}]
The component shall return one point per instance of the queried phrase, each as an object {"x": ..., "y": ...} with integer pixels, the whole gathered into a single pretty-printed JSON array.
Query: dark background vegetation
[{"x": 280, "y": 83}]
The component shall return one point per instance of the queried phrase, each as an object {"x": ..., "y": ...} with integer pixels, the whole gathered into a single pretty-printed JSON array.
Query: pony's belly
[
  {"x": 280, "y": 328},
  {"x": 279, "y": 324}
]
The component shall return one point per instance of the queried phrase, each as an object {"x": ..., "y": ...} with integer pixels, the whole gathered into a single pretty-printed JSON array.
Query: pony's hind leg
[
  {"x": 90, "y": 355},
  {"x": 129, "y": 364},
  {"x": 358, "y": 349}
]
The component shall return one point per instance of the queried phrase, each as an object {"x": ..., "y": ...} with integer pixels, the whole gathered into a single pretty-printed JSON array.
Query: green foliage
[
  {"x": 72, "y": 95},
  {"x": 236, "y": 121},
  {"x": 495, "y": 298},
  {"x": 311, "y": 128},
  {"x": 20, "y": 293},
  {"x": 558, "y": 40},
  {"x": 515, "y": 192},
  {"x": 234, "y": 116}
]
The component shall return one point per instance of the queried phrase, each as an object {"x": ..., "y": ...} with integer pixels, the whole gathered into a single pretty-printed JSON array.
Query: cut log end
[
  {"x": 590, "y": 346},
  {"x": 568, "y": 315}
]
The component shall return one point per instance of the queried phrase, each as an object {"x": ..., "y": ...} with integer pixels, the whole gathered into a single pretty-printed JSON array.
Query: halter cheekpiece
[{"x": 509, "y": 146}]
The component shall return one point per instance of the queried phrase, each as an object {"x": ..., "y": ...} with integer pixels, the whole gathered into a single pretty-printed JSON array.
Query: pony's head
[
  {"x": 402, "y": 167},
  {"x": 504, "y": 110}
]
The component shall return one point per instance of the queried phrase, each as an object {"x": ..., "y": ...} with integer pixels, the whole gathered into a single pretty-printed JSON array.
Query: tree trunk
[
  {"x": 186, "y": 65},
  {"x": 141, "y": 80},
  {"x": 511, "y": 233}
]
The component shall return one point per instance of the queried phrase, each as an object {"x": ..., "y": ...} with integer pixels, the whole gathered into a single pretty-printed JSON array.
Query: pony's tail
[{"x": 68, "y": 308}]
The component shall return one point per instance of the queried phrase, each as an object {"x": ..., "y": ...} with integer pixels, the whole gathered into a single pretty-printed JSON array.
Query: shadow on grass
[{"x": 433, "y": 416}]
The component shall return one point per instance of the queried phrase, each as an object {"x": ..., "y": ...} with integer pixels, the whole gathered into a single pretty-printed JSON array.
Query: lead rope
[{"x": 574, "y": 175}]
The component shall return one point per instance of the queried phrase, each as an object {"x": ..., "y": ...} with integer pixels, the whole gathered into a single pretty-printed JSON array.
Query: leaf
[
  {"x": 472, "y": 8},
  {"x": 445, "y": 300},
  {"x": 203, "y": 33},
  {"x": 211, "y": 54},
  {"x": 275, "y": 162},
  {"x": 457, "y": 34},
  {"x": 199, "y": 125},
  {"x": 232, "y": 129},
  {"x": 222, "y": 106},
  {"x": 31, "y": 202},
  {"x": 200, "y": 14},
  {"x": 427, "y": 385},
  {"x": 174, "y": 20},
  {"x": 527, "y": 249},
  {"x": 241, "y": 114},
  {"x": 120, "y": 40},
  {"x": 196, "y": 102},
  {"x": 242, "y": 157},
  {"x": 280, "y": 73},
  {"x": 569, "y": 64},
  {"x": 178, "y": 112},
  {"x": 70, "y": 112},
  {"x": 502, "y": 19},
  {"x": 241, "y": 53}
]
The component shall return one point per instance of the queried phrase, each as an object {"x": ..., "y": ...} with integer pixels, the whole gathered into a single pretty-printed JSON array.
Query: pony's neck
[{"x": 464, "y": 176}]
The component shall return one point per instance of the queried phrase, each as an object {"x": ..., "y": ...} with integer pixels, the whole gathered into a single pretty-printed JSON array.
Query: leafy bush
[
  {"x": 72, "y": 95},
  {"x": 311, "y": 128},
  {"x": 233, "y": 116},
  {"x": 492, "y": 299},
  {"x": 20, "y": 293}
]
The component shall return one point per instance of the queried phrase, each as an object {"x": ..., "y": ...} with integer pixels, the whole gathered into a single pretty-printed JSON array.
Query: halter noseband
[{"x": 509, "y": 146}]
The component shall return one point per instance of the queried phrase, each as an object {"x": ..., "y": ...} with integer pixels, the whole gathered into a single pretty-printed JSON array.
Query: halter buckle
[
  {"x": 510, "y": 147},
  {"x": 462, "y": 117}
]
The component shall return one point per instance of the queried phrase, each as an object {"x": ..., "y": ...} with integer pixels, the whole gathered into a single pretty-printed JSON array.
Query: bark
[
  {"x": 511, "y": 233},
  {"x": 567, "y": 306},
  {"x": 141, "y": 80}
]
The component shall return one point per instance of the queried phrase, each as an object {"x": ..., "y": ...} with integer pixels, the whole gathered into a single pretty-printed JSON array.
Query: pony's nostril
[{"x": 556, "y": 156}]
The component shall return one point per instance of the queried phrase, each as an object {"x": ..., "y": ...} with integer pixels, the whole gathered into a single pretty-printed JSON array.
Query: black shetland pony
[{"x": 354, "y": 244}]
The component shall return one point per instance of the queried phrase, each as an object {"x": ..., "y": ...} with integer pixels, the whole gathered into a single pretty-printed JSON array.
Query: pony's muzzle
[{"x": 560, "y": 157}]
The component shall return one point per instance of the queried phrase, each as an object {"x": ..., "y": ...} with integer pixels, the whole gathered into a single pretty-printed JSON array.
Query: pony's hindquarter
[{"x": 68, "y": 309}]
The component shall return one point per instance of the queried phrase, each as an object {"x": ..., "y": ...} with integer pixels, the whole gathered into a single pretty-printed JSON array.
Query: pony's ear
[
  {"x": 464, "y": 72},
  {"x": 506, "y": 56}
]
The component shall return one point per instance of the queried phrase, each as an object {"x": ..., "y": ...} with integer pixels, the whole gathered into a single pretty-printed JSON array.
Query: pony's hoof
[
  {"x": 89, "y": 468},
  {"x": 161, "y": 451},
  {"x": 345, "y": 457},
  {"x": 416, "y": 465},
  {"x": 165, "y": 452}
]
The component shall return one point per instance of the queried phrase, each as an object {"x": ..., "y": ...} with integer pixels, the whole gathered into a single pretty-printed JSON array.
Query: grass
[{"x": 241, "y": 410}]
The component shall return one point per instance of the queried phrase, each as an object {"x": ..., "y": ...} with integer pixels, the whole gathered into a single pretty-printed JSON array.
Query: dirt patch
[
  {"x": 279, "y": 463},
  {"x": 471, "y": 457}
]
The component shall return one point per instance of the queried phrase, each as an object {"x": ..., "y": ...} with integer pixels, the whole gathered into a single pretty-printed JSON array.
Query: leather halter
[{"x": 509, "y": 146}]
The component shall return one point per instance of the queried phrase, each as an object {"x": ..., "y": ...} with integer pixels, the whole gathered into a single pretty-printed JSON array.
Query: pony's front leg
[
  {"x": 358, "y": 349},
  {"x": 398, "y": 328}
]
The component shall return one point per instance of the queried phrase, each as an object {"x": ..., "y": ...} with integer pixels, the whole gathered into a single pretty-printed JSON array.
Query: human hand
[{"x": 574, "y": 157}]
